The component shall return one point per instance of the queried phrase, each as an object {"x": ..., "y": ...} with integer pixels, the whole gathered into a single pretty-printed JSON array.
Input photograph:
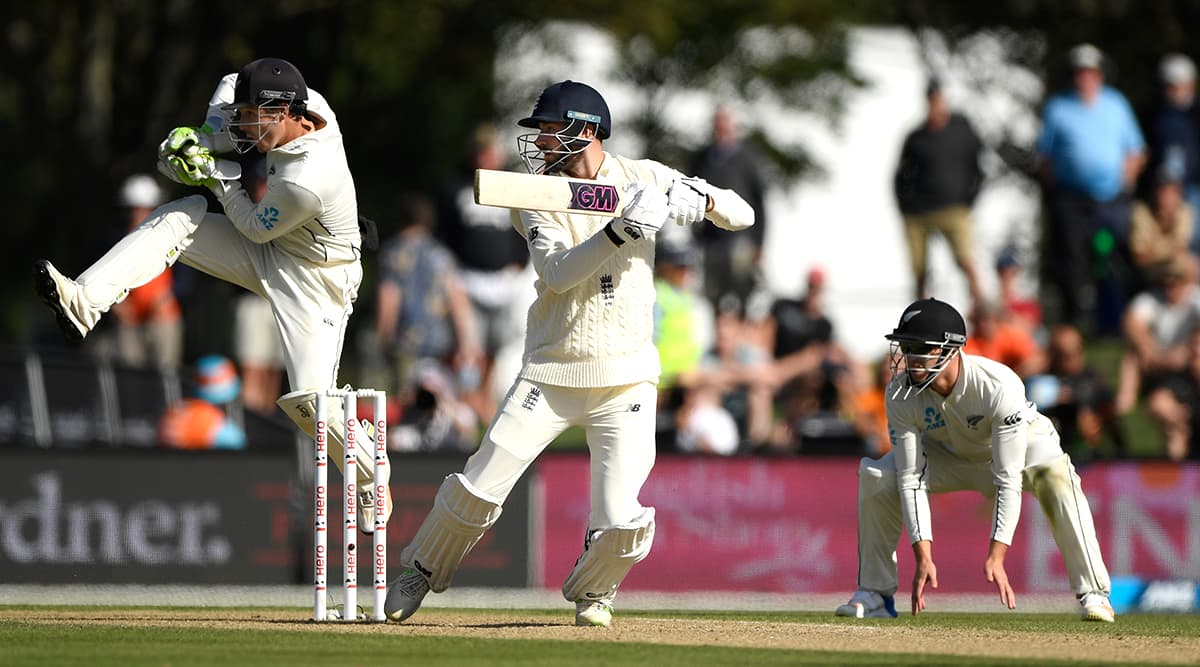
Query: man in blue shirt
[{"x": 1091, "y": 152}]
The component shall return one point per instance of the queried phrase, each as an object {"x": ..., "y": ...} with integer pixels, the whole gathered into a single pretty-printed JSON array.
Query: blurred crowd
[{"x": 748, "y": 371}]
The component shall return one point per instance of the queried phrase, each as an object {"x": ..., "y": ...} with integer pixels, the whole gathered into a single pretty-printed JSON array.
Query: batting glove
[
  {"x": 643, "y": 217},
  {"x": 688, "y": 200}
]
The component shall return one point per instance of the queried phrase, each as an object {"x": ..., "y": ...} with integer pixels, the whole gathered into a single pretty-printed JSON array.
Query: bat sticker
[{"x": 597, "y": 197}]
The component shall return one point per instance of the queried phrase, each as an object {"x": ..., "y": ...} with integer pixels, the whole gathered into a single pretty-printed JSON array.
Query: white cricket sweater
[{"x": 594, "y": 327}]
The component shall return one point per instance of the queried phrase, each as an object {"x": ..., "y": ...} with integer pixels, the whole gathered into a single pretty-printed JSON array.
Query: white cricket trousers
[
  {"x": 311, "y": 303},
  {"x": 1054, "y": 483},
  {"x": 618, "y": 421}
]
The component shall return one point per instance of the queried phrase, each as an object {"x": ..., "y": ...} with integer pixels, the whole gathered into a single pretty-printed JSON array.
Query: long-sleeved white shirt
[
  {"x": 310, "y": 209},
  {"x": 985, "y": 420},
  {"x": 592, "y": 324}
]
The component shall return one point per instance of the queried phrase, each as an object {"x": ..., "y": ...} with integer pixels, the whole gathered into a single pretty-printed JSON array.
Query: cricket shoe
[
  {"x": 593, "y": 613},
  {"x": 405, "y": 594},
  {"x": 366, "y": 492},
  {"x": 1096, "y": 608},
  {"x": 868, "y": 604},
  {"x": 55, "y": 290}
]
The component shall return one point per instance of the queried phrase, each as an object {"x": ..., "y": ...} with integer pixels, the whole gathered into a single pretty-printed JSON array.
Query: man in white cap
[{"x": 1173, "y": 134}]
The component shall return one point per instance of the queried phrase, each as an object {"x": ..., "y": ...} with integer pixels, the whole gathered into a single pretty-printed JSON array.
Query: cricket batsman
[
  {"x": 299, "y": 247},
  {"x": 589, "y": 359},
  {"x": 961, "y": 422}
]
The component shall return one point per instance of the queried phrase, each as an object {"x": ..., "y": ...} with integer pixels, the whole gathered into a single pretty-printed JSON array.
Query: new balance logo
[
  {"x": 636, "y": 407},
  {"x": 533, "y": 233}
]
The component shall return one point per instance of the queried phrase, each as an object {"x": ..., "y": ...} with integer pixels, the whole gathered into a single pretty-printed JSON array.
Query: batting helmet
[{"x": 567, "y": 101}]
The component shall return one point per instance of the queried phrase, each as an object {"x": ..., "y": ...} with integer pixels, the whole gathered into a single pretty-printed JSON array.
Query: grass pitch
[{"x": 179, "y": 637}]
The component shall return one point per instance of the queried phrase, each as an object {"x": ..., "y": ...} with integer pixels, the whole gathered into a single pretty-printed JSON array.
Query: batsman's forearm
[
  {"x": 729, "y": 211},
  {"x": 564, "y": 269}
]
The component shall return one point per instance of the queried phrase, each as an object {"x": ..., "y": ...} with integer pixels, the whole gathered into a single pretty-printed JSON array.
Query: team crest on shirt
[
  {"x": 608, "y": 292},
  {"x": 973, "y": 421},
  {"x": 268, "y": 216},
  {"x": 933, "y": 419}
]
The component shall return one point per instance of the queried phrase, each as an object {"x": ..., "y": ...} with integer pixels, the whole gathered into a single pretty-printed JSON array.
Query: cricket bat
[{"x": 532, "y": 192}]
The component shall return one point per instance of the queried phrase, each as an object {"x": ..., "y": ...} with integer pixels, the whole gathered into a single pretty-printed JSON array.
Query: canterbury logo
[
  {"x": 974, "y": 420},
  {"x": 1014, "y": 418},
  {"x": 908, "y": 316}
]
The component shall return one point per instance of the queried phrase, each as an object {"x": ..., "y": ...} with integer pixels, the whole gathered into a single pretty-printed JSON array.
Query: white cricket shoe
[
  {"x": 594, "y": 613},
  {"x": 405, "y": 594},
  {"x": 366, "y": 492},
  {"x": 1096, "y": 608},
  {"x": 56, "y": 290},
  {"x": 868, "y": 604}
]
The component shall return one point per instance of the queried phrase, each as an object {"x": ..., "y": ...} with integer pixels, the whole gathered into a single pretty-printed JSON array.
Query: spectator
[
  {"x": 490, "y": 256},
  {"x": 257, "y": 347},
  {"x": 870, "y": 411},
  {"x": 1020, "y": 308},
  {"x": 1174, "y": 136},
  {"x": 999, "y": 340},
  {"x": 149, "y": 331},
  {"x": 936, "y": 183},
  {"x": 433, "y": 418},
  {"x": 1164, "y": 227},
  {"x": 731, "y": 261},
  {"x": 680, "y": 321},
  {"x": 703, "y": 426},
  {"x": 1076, "y": 397},
  {"x": 1159, "y": 327},
  {"x": 204, "y": 422},
  {"x": 810, "y": 369},
  {"x": 1091, "y": 152},
  {"x": 739, "y": 369},
  {"x": 422, "y": 309}
]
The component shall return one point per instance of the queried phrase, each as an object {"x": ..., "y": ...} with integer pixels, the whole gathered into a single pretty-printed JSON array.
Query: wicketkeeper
[
  {"x": 299, "y": 246},
  {"x": 590, "y": 359},
  {"x": 961, "y": 422}
]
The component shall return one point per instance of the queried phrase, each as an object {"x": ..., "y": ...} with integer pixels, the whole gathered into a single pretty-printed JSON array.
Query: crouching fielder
[
  {"x": 972, "y": 430},
  {"x": 589, "y": 360}
]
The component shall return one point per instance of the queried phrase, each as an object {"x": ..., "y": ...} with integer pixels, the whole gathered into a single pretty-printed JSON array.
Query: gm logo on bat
[{"x": 597, "y": 197}]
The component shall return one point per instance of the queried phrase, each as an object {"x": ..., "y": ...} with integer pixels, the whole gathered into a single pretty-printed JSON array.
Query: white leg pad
[
  {"x": 607, "y": 557},
  {"x": 141, "y": 255},
  {"x": 301, "y": 408},
  {"x": 460, "y": 515}
]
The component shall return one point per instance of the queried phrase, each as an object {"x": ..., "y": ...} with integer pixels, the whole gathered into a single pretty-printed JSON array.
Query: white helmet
[{"x": 141, "y": 191}]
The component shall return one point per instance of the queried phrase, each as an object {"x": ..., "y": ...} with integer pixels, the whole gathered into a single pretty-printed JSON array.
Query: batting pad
[
  {"x": 301, "y": 407},
  {"x": 608, "y": 557},
  {"x": 460, "y": 515}
]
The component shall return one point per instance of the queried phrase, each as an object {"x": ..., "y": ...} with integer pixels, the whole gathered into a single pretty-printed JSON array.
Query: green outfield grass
[{"x": 133, "y": 636}]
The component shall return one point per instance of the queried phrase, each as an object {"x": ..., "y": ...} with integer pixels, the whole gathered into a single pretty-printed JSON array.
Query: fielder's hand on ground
[
  {"x": 688, "y": 200},
  {"x": 645, "y": 215}
]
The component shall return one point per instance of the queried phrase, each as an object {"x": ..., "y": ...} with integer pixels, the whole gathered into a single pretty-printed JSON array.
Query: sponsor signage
[
  {"x": 790, "y": 525},
  {"x": 137, "y": 516}
]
